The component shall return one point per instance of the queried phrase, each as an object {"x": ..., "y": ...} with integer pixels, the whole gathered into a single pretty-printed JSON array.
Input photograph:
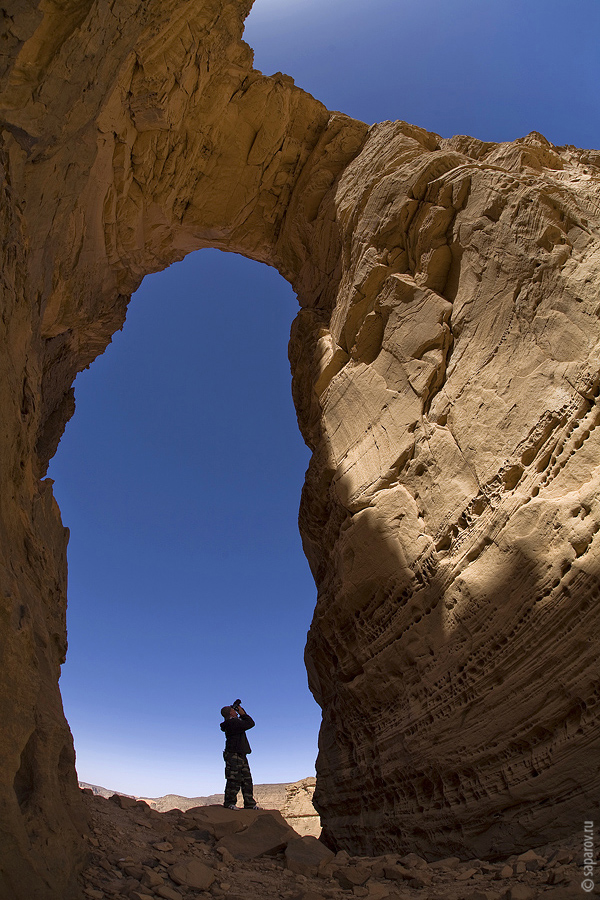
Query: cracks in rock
[
  {"x": 574, "y": 436},
  {"x": 460, "y": 450},
  {"x": 441, "y": 373},
  {"x": 497, "y": 497}
]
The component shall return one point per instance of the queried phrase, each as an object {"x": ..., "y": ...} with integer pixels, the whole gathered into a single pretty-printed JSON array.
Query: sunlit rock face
[
  {"x": 450, "y": 512},
  {"x": 445, "y": 365}
]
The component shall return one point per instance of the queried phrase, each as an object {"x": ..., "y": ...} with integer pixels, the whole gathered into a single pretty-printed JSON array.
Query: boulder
[
  {"x": 378, "y": 891},
  {"x": 306, "y": 854},
  {"x": 445, "y": 375},
  {"x": 531, "y": 860},
  {"x": 151, "y": 879},
  {"x": 219, "y": 821},
  {"x": 412, "y": 861},
  {"x": 396, "y": 873},
  {"x": 268, "y": 833},
  {"x": 192, "y": 874},
  {"x": 350, "y": 877}
]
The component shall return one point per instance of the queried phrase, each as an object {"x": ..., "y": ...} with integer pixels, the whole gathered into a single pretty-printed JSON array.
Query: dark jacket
[{"x": 235, "y": 732}]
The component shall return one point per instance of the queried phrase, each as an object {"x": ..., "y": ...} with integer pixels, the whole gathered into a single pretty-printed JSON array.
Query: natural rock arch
[{"x": 445, "y": 375}]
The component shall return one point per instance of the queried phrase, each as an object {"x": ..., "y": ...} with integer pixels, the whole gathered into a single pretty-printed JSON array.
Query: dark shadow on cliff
[{"x": 458, "y": 734}]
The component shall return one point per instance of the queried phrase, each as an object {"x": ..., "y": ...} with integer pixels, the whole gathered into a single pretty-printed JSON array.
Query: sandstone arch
[{"x": 445, "y": 364}]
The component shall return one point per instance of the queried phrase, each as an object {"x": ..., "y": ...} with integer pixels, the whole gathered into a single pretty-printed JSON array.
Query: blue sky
[{"x": 180, "y": 474}]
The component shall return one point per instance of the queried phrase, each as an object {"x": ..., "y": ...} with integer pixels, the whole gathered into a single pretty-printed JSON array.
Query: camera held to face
[{"x": 236, "y": 705}]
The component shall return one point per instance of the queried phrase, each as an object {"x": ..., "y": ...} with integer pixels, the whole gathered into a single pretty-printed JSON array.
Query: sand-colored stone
[
  {"x": 445, "y": 374},
  {"x": 298, "y": 809},
  {"x": 457, "y": 548}
]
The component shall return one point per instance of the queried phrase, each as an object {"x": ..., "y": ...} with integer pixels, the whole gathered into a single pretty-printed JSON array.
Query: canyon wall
[
  {"x": 445, "y": 375},
  {"x": 450, "y": 512}
]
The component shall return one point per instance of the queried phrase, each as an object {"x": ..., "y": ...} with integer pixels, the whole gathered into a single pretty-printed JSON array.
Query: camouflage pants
[{"x": 237, "y": 773}]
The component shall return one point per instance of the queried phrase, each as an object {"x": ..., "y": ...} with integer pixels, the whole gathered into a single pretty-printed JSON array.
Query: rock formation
[
  {"x": 450, "y": 512},
  {"x": 445, "y": 366},
  {"x": 298, "y": 809},
  {"x": 294, "y": 801}
]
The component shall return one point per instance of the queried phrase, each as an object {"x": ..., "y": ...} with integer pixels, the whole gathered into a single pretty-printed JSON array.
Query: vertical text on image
[{"x": 588, "y": 857}]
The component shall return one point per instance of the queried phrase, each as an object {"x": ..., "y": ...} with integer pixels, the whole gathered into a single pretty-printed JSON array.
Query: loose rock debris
[{"x": 137, "y": 853}]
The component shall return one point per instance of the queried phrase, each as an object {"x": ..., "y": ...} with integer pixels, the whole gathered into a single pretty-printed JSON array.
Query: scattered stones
[{"x": 297, "y": 867}]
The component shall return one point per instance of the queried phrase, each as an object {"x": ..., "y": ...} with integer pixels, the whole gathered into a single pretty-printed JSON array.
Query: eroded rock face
[
  {"x": 445, "y": 364},
  {"x": 450, "y": 512}
]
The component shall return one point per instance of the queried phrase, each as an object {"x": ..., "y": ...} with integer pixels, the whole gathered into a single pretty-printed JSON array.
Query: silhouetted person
[{"x": 237, "y": 770}]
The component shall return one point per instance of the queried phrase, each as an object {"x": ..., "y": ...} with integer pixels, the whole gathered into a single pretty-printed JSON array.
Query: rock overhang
[{"x": 444, "y": 373}]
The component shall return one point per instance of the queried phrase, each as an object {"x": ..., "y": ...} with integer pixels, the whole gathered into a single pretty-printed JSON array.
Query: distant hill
[
  {"x": 293, "y": 800},
  {"x": 269, "y": 796},
  {"x": 101, "y": 791}
]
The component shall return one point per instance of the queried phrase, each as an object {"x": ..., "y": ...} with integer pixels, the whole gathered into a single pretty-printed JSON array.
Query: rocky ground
[
  {"x": 210, "y": 852},
  {"x": 293, "y": 800}
]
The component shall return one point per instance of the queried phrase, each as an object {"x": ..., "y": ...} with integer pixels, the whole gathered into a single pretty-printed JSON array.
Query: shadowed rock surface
[
  {"x": 445, "y": 375},
  {"x": 140, "y": 854}
]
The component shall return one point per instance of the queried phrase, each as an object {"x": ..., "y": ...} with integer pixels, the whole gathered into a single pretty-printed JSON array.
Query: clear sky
[{"x": 180, "y": 474}]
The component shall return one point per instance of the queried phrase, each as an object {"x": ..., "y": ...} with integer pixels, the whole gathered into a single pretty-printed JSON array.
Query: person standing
[{"x": 235, "y": 724}]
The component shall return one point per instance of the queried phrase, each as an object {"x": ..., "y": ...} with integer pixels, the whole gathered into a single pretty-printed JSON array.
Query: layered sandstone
[
  {"x": 445, "y": 363},
  {"x": 450, "y": 512}
]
